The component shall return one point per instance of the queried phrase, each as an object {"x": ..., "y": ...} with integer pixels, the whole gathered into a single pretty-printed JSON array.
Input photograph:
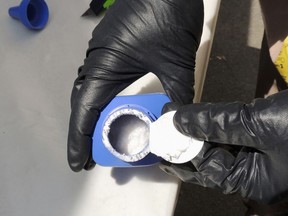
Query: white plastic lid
[{"x": 167, "y": 142}]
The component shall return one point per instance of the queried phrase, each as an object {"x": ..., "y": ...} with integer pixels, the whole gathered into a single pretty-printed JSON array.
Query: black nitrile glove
[
  {"x": 259, "y": 171},
  {"x": 135, "y": 37}
]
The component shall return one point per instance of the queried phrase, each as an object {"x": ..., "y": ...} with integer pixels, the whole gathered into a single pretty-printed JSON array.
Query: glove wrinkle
[
  {"x": 246, "y": 120},
  {"x": 133, "y": 38},
  {"x": 259, "y": 170}
]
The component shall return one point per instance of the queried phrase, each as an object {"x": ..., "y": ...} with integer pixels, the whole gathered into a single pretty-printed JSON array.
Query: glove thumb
[{"x": 171, "y": 106}]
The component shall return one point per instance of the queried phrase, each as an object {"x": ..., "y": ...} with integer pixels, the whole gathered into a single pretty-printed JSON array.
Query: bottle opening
[{"x": 126, "y": 133}]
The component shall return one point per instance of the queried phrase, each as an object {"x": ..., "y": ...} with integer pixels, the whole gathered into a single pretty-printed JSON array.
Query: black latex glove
[
  {"x": 260, "y": 170},
  {"x": 135, "y": 37}
]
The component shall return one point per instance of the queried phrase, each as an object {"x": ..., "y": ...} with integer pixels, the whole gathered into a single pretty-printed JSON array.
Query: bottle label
[{"x": 281, "y": 62}]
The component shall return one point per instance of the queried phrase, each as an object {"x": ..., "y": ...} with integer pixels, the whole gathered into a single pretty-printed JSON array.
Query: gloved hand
[
  {"x": 135, "y": 37},
  {"x": 260, "y": 170}
]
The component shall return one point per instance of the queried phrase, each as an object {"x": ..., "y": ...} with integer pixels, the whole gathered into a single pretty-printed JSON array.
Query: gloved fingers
[
  {"x": 108, "y": 64},
  {"x": 173, "y": 55},
  {"x": 217, "y": 168},
  {"x": 257, "y": 125},
  {"x": 90, "y": 164},
  {"x": 177, "y": 81},
  {"x": 187, "y": 173},
  {"x": 77, "y": 86},
  {"x": 170, "y": 106},
  {"x": 231, "y": 123},
  {"x": 231, "y": 173},
  {"x": 93, "y": 95}
]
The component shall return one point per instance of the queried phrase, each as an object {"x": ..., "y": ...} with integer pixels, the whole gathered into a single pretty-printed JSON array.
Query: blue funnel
[{"x": 32, "y": 13}]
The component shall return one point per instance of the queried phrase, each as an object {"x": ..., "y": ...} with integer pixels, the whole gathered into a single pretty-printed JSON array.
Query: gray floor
[{"x": 231, "y": 76}]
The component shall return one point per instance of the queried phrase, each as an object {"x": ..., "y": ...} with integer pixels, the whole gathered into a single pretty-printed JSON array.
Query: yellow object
[{"x": 281, "y": 62}]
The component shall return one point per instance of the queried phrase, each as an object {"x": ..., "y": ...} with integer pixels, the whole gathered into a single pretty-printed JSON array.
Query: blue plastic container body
[
  {"x": 151, "y": 104},
  {"x": 33, "y": 14}
]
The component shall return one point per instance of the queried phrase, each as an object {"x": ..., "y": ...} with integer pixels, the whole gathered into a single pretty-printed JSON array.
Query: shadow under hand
[{"x": 149, "y": 173}]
